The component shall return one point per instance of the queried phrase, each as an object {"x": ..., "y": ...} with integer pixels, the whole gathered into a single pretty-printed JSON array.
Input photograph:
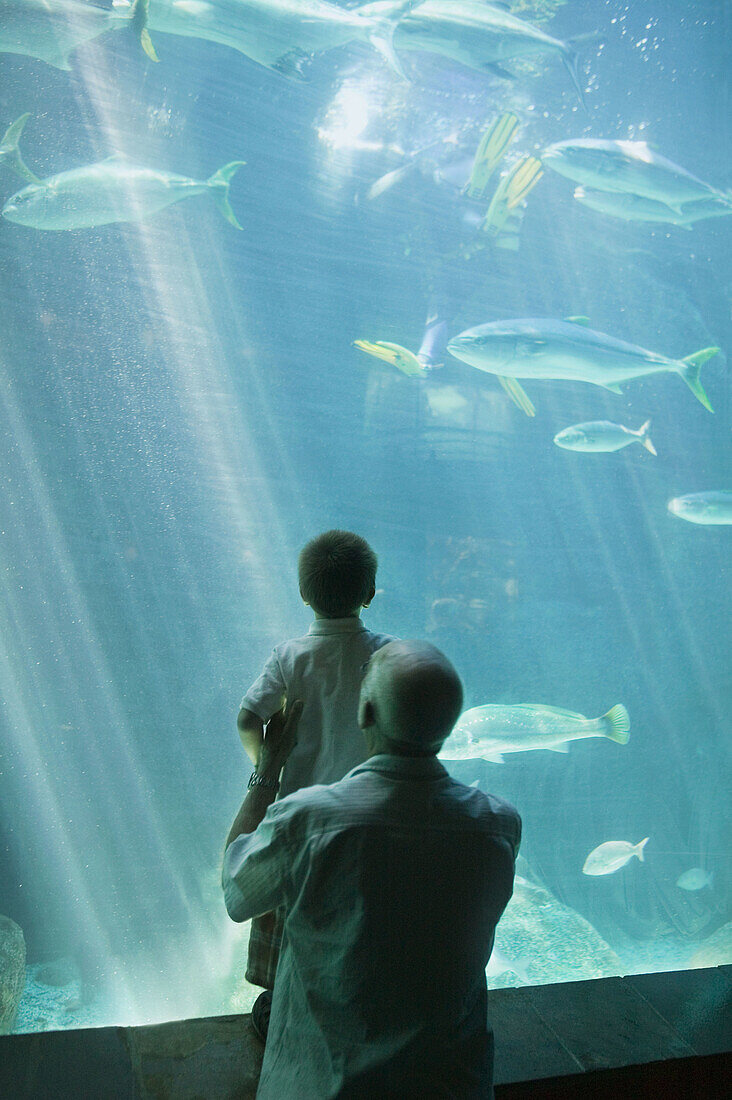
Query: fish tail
[
  {"x": 492, "y": 146},
  {"x": 219, "y": 183},
  {"x": 690, "y": 370},
  {"x": 10, "y": 149},
  {"x": 382, "y": 30},
  {"x": 639, "y": 848},
  {"x": 518, "y": 394},
  {"x": 570, "y": 58},
  {"x": 139, "y": 19},
  {"x": 617, "y": 723},
  {"x": 645, "y": 438}
]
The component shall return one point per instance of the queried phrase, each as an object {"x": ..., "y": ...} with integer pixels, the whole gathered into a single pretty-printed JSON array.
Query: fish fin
[
  {"x": 645, "y": 438},
  {"x": 400, "y": 357},
  {"x": 580, "y": 319},
  {"x": 571, "y": 62},
  {"x": 511, "y": 191},
  {"x": 612, "y": 386},
  {"x": 618, "y": 721},
  {"x": 552, "y": 710},
  {"x": 490, "y": 150},
  {"x": 559, "y": 748},
  {"x": 139, "y": 19},
  {"x": 382, "y": 35},
  {"x": 497, "y": 70},
  {"x": 518, "y": 394},
  {"x": 10, "y": 150},
  {"x": 639, "y": 848},
  {"x": 692, "y": 365},
  {"x": 494, "y": 758},
  {"x": 219, "y": 183}
]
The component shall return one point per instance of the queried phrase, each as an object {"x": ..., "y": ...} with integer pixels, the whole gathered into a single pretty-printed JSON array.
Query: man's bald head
[{"x": 411, "y": 697}]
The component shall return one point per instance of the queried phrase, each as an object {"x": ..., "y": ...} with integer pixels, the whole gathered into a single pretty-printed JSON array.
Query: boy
[{"x": 324, "y": 669}]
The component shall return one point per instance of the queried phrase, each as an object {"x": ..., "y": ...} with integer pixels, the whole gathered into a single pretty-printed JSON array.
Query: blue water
[{"x": 181, "y": 408}]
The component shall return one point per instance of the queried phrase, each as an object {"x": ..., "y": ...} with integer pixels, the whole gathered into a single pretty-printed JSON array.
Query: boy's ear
[
  {"x": 370, "y": 597},
  {"x": 303, "y": 598}
]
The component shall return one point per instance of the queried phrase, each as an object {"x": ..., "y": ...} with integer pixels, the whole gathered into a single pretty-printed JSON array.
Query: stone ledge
[{"x": 607, "y": 1037}]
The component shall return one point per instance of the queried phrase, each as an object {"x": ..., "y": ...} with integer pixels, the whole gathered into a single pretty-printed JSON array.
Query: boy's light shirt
[{"x": 324, "y": 668}]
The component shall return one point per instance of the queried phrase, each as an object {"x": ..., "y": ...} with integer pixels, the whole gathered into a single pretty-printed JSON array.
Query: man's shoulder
[
  {"x": 488, "y": 810},
  {"x": 376, "y": 640}
]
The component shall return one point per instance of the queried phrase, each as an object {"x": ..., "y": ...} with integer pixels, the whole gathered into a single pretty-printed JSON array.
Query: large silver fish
[
  {"x": 475, "y": 34},
  {"x": 112, "y": 191},
  {"x": 51, "y": 30},
  {"x": 631, "y": 167},
  {"x": 638, "y": 208},
  {"x": 541, "y": 348},
  {"x": 279, "y": 34},
  {"x": 711, "y": 508},
  {"x": 490, "y": 731}
]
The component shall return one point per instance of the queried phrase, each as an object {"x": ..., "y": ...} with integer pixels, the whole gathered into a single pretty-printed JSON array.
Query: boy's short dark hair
[{"x": 336, "y": 571}]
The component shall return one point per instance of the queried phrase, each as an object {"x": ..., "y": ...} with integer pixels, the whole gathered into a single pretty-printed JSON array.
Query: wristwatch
[{"x": 257, "y": 780}]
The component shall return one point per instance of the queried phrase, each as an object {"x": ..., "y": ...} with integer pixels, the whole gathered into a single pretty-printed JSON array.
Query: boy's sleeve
[{"x": 267, "y": 694}]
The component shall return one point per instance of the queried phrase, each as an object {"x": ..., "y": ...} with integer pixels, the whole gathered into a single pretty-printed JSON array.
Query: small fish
[
  {"x": 694, "y": 879},
  {"x": 602, "y": 436},
  {"x": 631, "y": 167},
  {"x": 489, "y": 731},
  {"x": 499, "y": 964},
  {"x": 112, "y": 191},
  {"x": 536, "y": 347},
  {"x": 475, "y": 34},
  {"x": 612, "y": 855},
  {"x": 713, "y": 507},
  {"x": 638, "y": 208},
  {"x": 50, "y": 30}
]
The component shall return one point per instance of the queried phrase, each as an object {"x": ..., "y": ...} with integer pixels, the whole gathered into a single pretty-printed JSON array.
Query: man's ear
[{"x": 366, "y": 714}]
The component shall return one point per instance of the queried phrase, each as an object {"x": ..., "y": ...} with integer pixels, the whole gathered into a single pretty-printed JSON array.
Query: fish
[
  {"x": 602, "y": 436},
  {"x": 50, "y": 30},
  {"x": 112, "y": 190},
  {"x": 10, "y": 150},
  {"x": 489, "y": 731},
  {"x": 711, "y": 508},
  {"x": 499, "y": 964},
  {"x": 630, "y": 167},
  {"x": 695, "y": 879},
  {"x": 544, "y": 348},
  {"x": 612, "y": 855},
  {"x": 638, "y": 208},
  {"x": 475, "y": 34},
  {"x": 280, "y": 34}
]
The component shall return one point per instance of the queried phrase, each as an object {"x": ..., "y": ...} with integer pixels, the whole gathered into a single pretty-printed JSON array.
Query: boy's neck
[{"x": 350, "y": 615}]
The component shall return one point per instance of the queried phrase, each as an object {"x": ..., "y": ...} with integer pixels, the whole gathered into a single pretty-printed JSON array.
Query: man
[{"x": 394, "y": 880}]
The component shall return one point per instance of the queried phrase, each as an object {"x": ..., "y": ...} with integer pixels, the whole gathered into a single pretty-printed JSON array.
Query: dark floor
[{"x": 645, "y": 1036}]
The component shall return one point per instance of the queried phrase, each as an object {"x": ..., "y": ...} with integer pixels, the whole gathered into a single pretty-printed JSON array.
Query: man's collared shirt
[
  {"x": 324, "y": 669},
  {"x": 394, "y": 880}
]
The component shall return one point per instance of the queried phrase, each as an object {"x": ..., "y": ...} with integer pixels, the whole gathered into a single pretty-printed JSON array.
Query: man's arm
[
  {"x": 251, "y": 732},
  {"x": 276, "y": 746}
]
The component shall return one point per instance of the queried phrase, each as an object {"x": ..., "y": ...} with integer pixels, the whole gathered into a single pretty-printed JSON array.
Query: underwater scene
[{"x": 454, "y": 275}]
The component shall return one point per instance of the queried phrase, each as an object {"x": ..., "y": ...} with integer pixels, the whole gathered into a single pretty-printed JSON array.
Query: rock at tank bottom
[{"x": 12, "y": 972}]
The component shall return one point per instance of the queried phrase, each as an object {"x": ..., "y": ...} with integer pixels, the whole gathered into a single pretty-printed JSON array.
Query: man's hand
[{"x": 280, "y": 738}]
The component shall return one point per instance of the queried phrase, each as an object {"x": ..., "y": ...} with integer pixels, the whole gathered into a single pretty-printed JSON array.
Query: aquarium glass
[{"x": 183, "y": 404}]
